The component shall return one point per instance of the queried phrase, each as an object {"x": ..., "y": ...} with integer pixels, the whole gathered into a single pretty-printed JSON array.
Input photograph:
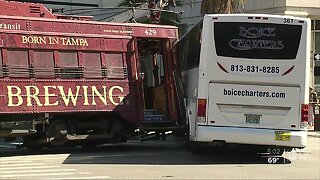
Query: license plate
[
  {"x": 282, "y": 136},
  {"x": 253, "y": 118}
]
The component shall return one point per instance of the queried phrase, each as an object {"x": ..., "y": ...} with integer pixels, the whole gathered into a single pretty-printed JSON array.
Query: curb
[{"x": 315, "y": 134}]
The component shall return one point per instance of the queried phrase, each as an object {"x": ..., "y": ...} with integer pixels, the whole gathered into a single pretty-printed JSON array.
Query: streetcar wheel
[{"x": 57, "y": 133}]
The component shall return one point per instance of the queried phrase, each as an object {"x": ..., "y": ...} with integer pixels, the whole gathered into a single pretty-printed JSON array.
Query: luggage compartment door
[{"x": 254, "y": 106}]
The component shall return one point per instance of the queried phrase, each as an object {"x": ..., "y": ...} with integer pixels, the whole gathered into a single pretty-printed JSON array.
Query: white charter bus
[{"x": 246, "y": 80}]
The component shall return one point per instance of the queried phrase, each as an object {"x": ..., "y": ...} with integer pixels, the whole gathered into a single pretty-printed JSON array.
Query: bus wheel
[{"x": 57, "y": 133}]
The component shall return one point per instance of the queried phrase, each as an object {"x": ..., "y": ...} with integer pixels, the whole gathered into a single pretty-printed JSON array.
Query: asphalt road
[{"x": 156, "y": 160}]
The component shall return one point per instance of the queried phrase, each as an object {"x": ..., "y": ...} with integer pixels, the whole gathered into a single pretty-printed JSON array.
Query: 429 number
[{"x": 150, "y": 32}]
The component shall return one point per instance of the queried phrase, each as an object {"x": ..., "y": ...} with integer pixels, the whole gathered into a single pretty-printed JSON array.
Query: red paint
[{"x": 35, "y": 44}]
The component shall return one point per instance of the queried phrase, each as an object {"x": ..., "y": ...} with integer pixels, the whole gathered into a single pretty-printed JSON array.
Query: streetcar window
[
  {"x": 69, "y": 66},
  {"x": 1, "y": 70},
  {"x": 92, "y": 65},
  {"x": 43, "y": 64},
  {"x": 18, "y": 63},
  {"x": 115, "y": 66}
]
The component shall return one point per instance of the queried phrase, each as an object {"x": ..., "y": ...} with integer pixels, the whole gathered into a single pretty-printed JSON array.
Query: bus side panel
[{"x": 190, "y": 81}]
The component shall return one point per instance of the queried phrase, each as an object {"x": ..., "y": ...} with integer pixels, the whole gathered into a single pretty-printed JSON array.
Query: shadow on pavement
[{"x": 151, "y": 153}]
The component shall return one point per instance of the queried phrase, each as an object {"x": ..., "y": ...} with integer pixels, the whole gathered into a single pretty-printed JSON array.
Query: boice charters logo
[{"x": 251, "y": 41}]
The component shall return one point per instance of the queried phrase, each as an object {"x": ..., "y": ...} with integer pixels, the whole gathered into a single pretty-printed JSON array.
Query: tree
[
  {"x": 159, "y": 11},
  {"x": 220, "y": 6}
]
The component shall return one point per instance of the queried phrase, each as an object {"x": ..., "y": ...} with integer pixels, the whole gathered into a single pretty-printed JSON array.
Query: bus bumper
[{"x": 235, "y": 135}]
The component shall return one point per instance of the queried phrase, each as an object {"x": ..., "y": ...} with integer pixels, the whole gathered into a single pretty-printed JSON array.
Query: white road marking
[
  {"x": 90, "y": 177},
  {"x": 28, "y": 167},
  {"x": 35, "y": 171},
  {"x": 13, "y": 165},
  {"x": 32, "y": 157},
  {"x": 13, "y": 161},
  {"x": 33, "y": 175}
]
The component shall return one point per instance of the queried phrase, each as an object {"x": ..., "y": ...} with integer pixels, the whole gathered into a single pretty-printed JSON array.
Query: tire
[{"x": 58, "y": 130}]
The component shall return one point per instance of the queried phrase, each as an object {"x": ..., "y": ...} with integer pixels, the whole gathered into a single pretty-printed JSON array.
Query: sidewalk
[{"x": 312, "y": 133}]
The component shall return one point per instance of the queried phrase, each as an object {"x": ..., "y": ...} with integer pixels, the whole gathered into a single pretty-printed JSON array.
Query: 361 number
[{"x": 288, "y": 20}]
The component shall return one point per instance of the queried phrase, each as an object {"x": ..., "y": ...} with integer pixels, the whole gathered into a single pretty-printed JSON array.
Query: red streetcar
[{"x": 67, "y": 78}]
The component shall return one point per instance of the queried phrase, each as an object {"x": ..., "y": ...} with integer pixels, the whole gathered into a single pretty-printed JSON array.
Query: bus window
[
  {"x": 92, "y": 65},
  {"x": 257, "y": 40},
  {"x": 115, "y": 66},
  {"x": 43, "y": 64},
  {"x": 69, "y": 67},
  {"x": 18, "y": 63},
  {"x": 189, "y": 47}
]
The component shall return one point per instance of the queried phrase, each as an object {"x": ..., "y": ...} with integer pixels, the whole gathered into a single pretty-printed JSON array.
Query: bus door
[{"x": 155, "y": 67}]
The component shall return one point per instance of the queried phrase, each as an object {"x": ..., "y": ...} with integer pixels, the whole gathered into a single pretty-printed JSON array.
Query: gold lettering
[
  {"x": 75, "y": 41},
  {"x": 30, "y": 39},
  {"x": 34, "y": 95},
  {"x": 24, "y": 39},
  {"x": 84, "y": 42},
  {"x": 85, "y": 93},
  {"x": 11, "y": 95},
  {"x": 102, "y": 98},
  {"x": 63, "y": 41},
  {"x": 43, "y": 40},
  {"x": 111, "y": 95},
  {"x": 66, "y": 99},
  {"x": 35, "y": 40},
  {"x": 53, "y": 40},
  {"x": 68, "y": 42},
  {"x": 48, "y": 95}
]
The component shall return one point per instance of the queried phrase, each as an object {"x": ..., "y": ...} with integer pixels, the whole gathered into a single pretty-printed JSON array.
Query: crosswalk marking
[
  {"x": 12, "y": 162},
  {"x": 35, "y": 171},
  {"x": 80, "y": 178},
  {"x": 28, "y": 167},
  {"x": 38, "y": 167},
  {"x": 32, "y": 175},
  {"x": 29, "y": 164}
]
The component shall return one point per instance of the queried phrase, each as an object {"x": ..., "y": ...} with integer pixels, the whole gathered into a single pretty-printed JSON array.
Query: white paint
[
  {"x": 32, "y": 175},
  {"x": 28, "y": 167},
  {"x": 35, "y": 171},
  {"x": 29, "y": 164},
  {"x": 90, "y": 177}
]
